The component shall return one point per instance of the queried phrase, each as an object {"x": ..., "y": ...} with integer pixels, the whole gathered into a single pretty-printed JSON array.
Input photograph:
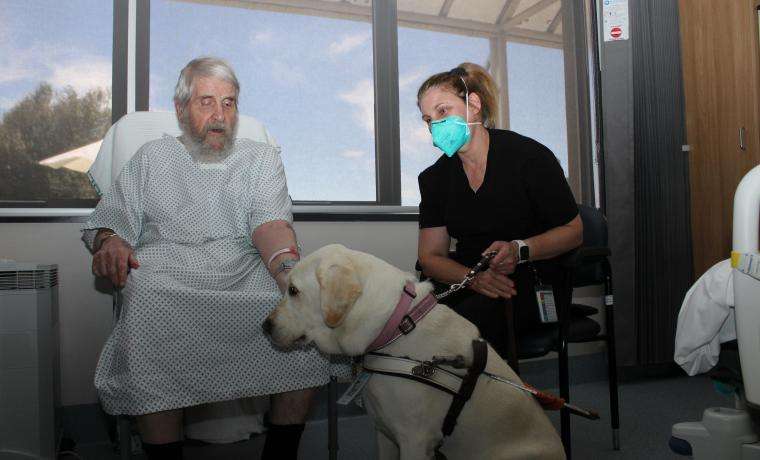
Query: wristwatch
[
  {"x": 523, "y": 251},
  {"x": 286, "y": 264}
]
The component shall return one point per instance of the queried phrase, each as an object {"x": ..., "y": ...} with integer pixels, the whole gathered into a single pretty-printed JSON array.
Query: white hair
[{"x": 203, "y": 67}]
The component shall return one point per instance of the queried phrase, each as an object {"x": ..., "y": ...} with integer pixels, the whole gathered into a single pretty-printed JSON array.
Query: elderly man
[{"x": 197, "y": 231}]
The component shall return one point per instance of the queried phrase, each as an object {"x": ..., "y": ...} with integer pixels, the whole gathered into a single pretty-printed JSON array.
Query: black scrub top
[{"x": 524, "y": 193}]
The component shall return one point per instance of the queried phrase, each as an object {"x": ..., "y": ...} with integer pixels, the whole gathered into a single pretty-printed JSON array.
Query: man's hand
[
  {"x": 492, "y": 284},
  {"x": 113, "y": 260},
  {"x": 505, "y": 260}
]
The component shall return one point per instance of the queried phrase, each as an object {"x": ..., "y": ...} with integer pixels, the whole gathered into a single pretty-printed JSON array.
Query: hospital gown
[{"x": 189, "y": 331}]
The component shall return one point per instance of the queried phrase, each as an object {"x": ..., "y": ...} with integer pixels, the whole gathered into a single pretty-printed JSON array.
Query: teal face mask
[{"x": 451, "y": 133}]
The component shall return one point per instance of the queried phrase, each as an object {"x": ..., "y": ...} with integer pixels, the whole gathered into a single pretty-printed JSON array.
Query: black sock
[
  {"x": 170, "y": 451},
  {"x": 282, "y": 442}
]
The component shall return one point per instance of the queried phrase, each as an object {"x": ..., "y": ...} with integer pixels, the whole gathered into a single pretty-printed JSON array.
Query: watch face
[{"x": 524, "y": 253}]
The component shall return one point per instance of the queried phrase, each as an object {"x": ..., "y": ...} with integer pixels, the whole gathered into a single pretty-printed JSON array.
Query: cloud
[
  {"x": 24, "y": 63},
  {"x": 362, "y": 97},
  {"x": 415, "y": 76},
  {"x": 6, "y": 103},
  {"x": 410, "y": 193},
  {"x": 347, "y": 44},
  {"x": 287, "y": 74},
  {"x": 60, "y": 66},
  {"x": 261, "y": 37},
  {"x": 415, "y": 136},
  {"x": 82, "y": 75},
  {"x": 353, "y": 153}
]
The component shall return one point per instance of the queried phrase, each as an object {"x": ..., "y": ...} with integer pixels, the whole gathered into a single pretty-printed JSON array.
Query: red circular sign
[{"x": 616, "y": 32}]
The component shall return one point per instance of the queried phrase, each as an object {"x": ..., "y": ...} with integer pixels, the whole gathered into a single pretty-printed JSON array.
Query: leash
[
  {"x": 482, "y": 265},
  {"x": 430, "y": 373},
  {"x": 405, "y": 316}
]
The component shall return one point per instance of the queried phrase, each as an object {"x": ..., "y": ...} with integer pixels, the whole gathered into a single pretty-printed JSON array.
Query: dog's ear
[{"x": 339, "y": 289}]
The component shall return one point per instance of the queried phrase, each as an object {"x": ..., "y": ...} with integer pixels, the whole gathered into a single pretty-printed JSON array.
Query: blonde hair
[{"x": 477, "y": 80}]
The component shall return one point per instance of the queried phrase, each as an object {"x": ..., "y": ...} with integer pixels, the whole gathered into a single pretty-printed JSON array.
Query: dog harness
[{"x": 403, "y": 320}]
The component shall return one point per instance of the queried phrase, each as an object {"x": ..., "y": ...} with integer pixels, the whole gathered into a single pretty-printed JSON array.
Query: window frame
[{"x": 130, "y": 88}]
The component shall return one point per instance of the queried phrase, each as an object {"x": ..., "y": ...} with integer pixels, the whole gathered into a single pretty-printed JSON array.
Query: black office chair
[{"x": 588, "y": 265}]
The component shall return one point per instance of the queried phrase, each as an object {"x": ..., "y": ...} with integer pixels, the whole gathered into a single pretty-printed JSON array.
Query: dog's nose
[{"x": 267, "y": 326}]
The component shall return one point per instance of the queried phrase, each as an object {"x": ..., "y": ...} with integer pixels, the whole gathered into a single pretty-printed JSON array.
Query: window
[
  {"x": 55, "y": 99},
  {"x": 306, "y": 74},
  {"x": 521, "y": 44},
  {"x": 536, "y": 76},
  {"x": 422, "y": 53}
]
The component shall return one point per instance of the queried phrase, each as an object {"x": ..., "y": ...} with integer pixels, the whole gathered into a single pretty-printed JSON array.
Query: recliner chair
[{"x": 120, "y": 143}]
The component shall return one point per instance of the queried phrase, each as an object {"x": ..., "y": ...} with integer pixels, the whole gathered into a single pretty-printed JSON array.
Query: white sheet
[{"x": 706, "y": 320}]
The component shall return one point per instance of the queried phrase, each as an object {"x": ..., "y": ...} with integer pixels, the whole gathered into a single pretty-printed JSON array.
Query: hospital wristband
[
  {"x": 285, "y": 265},
  {"x": 289, "y": 250}
]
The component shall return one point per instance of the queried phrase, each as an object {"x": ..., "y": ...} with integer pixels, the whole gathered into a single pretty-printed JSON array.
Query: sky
[{"x": 308, "y": 79}]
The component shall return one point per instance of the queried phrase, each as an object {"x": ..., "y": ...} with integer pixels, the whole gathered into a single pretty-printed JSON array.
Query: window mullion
[{"x": 387, "y": 143}]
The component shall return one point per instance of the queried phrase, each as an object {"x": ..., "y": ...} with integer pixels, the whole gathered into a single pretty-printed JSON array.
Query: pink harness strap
[{"x": 403, "y": 320}]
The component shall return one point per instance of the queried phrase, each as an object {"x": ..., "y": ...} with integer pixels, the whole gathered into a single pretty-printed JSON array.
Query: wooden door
[{"x": 719, "y": 52}]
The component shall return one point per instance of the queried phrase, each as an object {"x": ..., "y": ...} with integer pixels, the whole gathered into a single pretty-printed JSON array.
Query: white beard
[{"x": 199, "y": 150}]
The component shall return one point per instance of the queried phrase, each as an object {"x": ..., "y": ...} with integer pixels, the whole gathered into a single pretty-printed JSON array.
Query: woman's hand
[
  {"x": 113, "y": 261},
  {"x": 505, "y": 260},
  {"x": 493, "y": 284}
]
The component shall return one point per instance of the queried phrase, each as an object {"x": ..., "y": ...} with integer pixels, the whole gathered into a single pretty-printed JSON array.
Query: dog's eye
[{"x": 292, "y": 291}]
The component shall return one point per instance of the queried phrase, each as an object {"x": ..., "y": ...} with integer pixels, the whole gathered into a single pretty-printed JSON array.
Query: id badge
[{"x": 547, "y": 309}]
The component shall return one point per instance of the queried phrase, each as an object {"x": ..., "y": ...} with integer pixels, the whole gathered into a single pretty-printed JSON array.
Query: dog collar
[{"x": 403, "y": 320}]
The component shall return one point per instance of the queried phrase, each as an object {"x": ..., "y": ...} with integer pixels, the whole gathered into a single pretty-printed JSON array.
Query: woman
[{"x": 492, "y": 190}]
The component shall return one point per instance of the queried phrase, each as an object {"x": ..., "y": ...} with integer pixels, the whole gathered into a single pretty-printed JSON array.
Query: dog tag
[
  {"x": 356, "y": 386},
  {"x": 547, "y": 310}
]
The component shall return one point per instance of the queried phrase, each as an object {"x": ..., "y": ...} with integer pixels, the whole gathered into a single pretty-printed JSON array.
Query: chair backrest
[
  {"x": 594, "y": 226},
  {"x": 127, "y": 135},
  {"x": 591, "y": 270}
]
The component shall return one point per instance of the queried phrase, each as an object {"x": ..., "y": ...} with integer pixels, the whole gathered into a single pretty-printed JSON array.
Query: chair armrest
[
  {"x": 594, "y": 251},
  {"x": 582, "y": 256}
]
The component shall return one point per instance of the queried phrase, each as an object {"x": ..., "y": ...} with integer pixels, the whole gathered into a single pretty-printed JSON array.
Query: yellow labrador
[{"x": 341, "y": 299}]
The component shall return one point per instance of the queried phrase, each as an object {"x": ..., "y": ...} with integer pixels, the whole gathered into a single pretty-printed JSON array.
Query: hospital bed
[{"x": 733, "y": 433}]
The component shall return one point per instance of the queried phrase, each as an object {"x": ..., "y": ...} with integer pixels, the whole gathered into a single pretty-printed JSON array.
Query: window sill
[{"x": 301, "y": 213}]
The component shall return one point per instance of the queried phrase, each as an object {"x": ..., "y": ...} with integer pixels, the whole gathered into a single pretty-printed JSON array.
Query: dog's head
[{"x": 326, "y": 300}]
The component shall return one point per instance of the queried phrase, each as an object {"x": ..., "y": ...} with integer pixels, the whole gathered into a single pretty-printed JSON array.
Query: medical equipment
[
  {"x": 728, "y": 433},
  {"x": 29, "y": 361}
]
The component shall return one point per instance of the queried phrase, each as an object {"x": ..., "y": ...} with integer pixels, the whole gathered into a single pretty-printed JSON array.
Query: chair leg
[
  {"x": 125, "y": 437},
  {"x": 512, "y": 359},
  {"x": 564, "y": 393},
  {"x": 612, "y": 374},
  {"x": 332, "y": 419}
]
